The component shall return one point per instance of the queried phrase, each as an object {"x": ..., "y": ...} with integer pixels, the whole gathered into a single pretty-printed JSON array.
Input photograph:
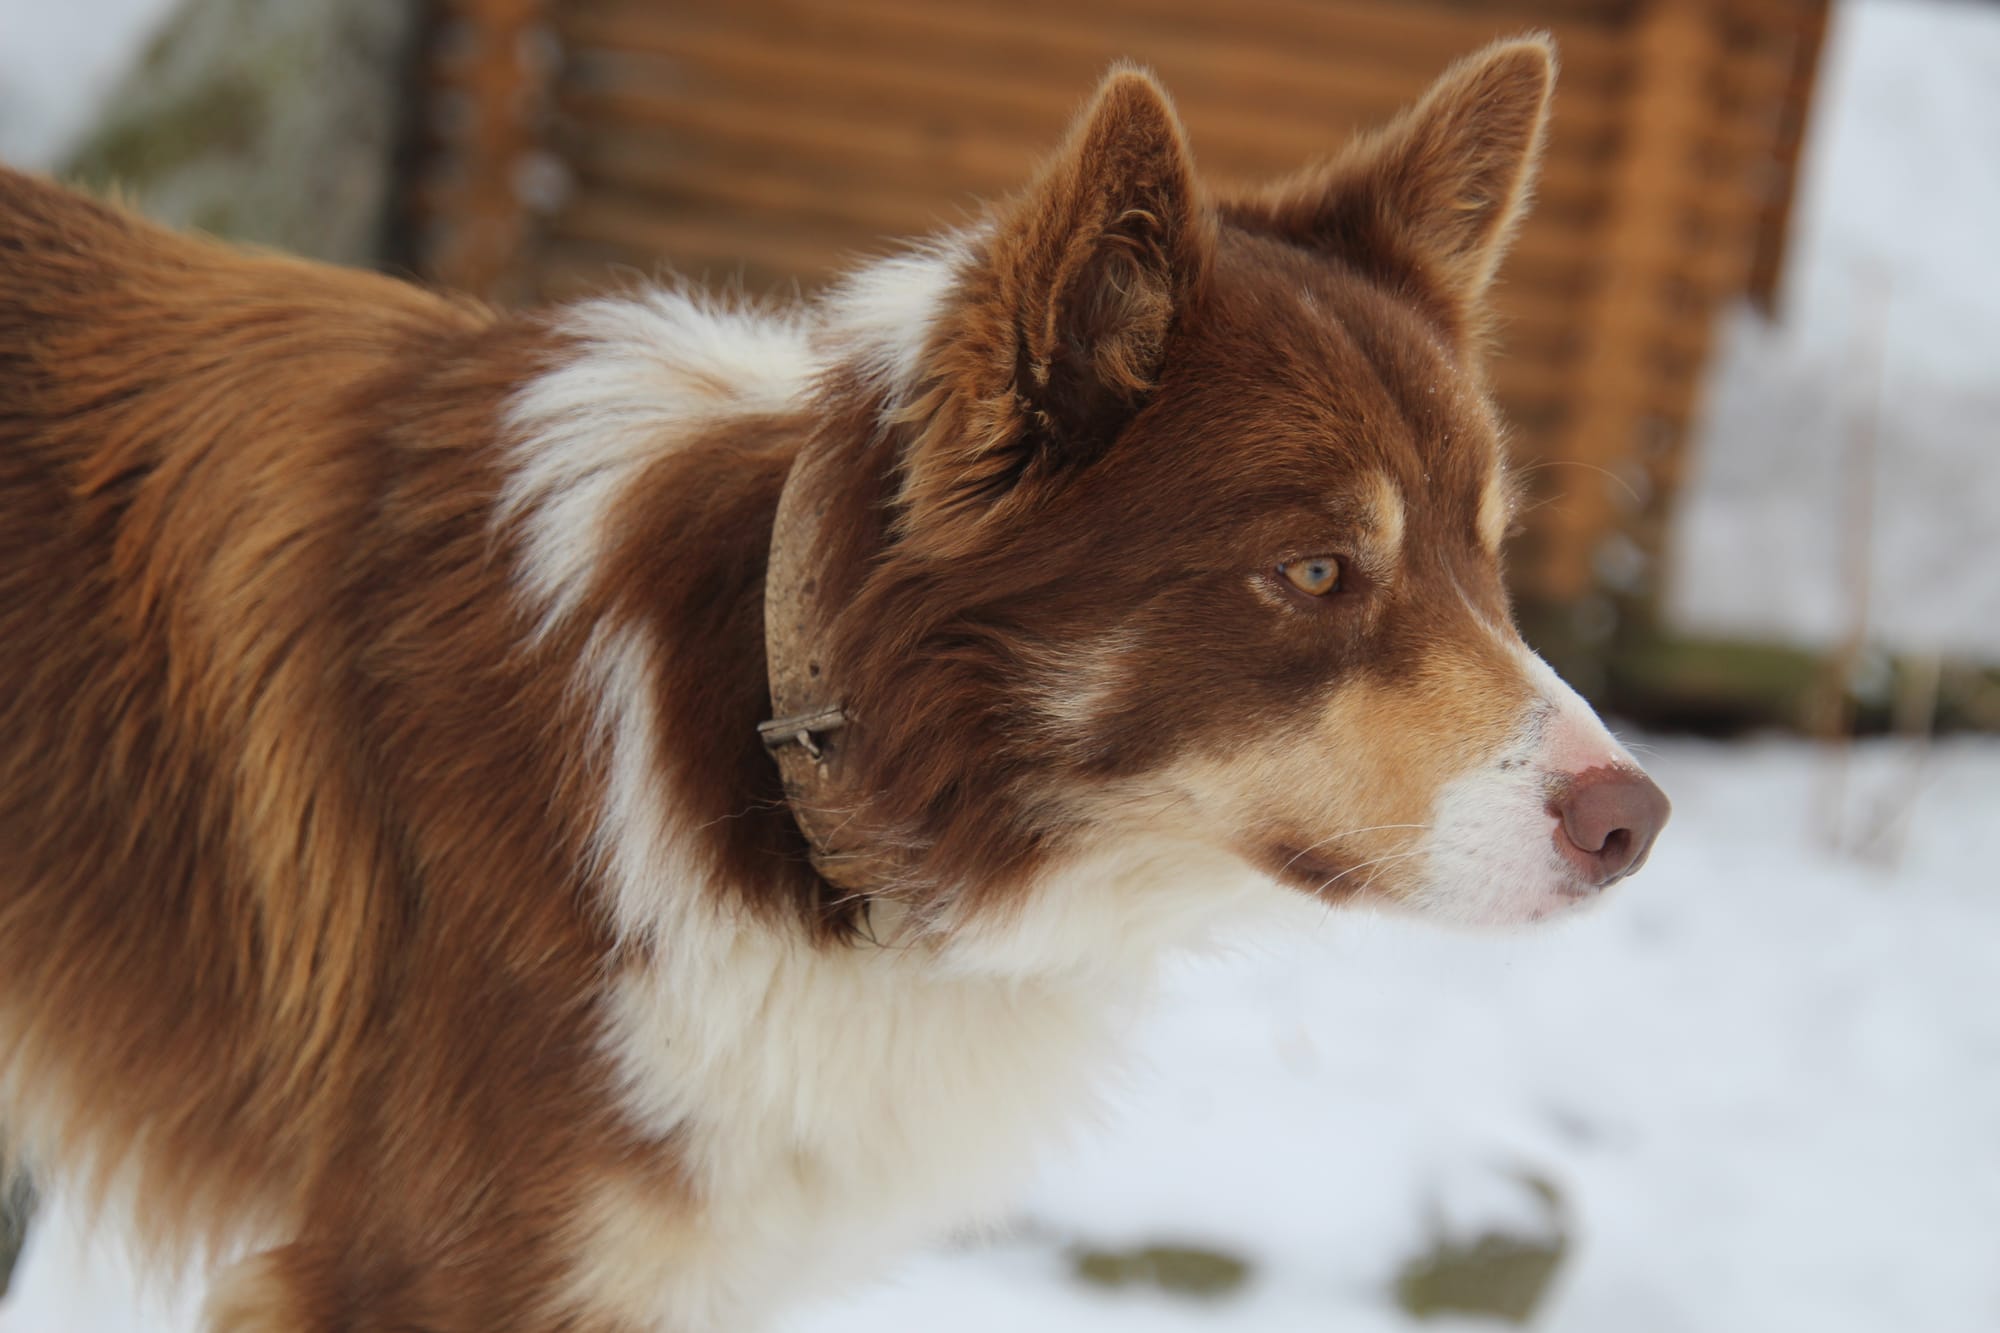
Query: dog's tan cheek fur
[{"x": 1362, "y": 778}]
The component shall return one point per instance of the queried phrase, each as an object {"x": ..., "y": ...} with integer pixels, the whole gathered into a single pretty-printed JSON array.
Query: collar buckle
[{"x": 803, "y": 730}]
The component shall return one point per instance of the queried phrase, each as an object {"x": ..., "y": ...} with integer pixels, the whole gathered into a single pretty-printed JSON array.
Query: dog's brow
[
  {"x": 1496, "y": 507},
  {"x": 1385, "y": 507}
]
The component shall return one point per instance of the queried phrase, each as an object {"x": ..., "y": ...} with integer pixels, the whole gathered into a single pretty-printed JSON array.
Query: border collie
[{"x": 616, "y": 818}]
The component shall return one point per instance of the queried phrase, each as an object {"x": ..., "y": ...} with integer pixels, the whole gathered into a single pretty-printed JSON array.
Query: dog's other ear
[
  {"x": 1435, "y": 197},
  {"x": 1062, "y": 325}
]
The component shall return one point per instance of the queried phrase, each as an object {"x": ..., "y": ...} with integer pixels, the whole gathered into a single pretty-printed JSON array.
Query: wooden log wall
[{"x": 573, "y": 144}]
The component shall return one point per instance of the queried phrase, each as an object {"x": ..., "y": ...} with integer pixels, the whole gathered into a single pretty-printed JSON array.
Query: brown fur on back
[{"x": 268, "y": 776}]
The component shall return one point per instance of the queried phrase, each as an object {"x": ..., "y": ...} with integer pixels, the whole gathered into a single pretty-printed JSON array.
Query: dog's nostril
[{"x": 1608, "y": 819}]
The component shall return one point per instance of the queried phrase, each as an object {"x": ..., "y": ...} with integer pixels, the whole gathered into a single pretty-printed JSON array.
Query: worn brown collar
[{"x": 810, "y": 726}]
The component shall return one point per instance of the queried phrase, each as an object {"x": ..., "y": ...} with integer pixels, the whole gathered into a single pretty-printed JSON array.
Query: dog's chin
[
  {"x": 1494, "y": 907},
  {"x": 1467, "y": 900}
]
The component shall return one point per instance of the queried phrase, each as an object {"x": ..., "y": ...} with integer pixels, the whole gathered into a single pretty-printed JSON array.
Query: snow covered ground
[{"x": 1765, "y": 1078}]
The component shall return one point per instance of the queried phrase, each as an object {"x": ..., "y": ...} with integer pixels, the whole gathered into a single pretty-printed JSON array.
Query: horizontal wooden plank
[
  {"x": 654, "y": 52},
  {"x": 693, "y": 237},
  {"x": 782, "y": 200},
  {"x": 1070, "y": 47},
  {"x": 797, "y": 134},
  {"x": 768, "y": 117},
  {"x": 910, "y": 175},
  {"x": 1425, "y": 34},
  {"x": 569, "y": 267}
]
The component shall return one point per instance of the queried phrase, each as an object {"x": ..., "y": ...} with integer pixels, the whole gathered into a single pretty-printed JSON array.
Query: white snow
[
  {"x": 58, "y": 58},
  {"x": 1765, "y": 1077},
  {"x": 1890, "y": 324}
]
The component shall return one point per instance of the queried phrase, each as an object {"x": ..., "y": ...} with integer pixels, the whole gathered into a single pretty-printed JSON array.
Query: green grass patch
[{"x": 1183, "y": 1270}]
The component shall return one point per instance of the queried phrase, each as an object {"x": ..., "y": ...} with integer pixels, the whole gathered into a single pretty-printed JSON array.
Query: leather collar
[{"x": 810, "y": 725}]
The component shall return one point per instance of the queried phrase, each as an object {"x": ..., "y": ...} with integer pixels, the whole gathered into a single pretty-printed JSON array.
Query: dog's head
[{"x": 1196, "y": 523}]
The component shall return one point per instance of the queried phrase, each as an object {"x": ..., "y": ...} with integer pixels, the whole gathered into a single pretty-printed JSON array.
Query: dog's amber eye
[{"x": 1315, "y": 576}]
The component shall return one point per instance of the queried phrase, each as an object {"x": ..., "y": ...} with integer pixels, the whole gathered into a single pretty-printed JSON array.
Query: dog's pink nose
[{"x": 1608, "y": 818}]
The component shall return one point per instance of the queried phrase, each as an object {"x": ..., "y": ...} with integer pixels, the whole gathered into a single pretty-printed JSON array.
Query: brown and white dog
[{"x": 396, "y": 890}]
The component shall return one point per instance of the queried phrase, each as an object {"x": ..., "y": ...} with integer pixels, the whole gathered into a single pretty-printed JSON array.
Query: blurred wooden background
[{"x": 566, "y": 145}]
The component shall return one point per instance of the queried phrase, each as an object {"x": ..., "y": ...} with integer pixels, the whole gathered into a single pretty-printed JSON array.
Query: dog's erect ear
[
  {"x": 1436, "y": 195},
  {"x": 1063, "y": 323}
]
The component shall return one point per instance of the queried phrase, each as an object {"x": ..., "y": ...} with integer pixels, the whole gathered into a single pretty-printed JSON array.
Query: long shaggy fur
[{"x": 393, "y": 890}]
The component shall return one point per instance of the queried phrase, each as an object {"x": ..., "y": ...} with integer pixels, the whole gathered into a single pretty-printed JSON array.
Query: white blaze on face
[{"x": 1495, "y": 849}]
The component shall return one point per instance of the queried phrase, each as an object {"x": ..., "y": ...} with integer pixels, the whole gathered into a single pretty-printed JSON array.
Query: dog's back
[
  {"x": 201, "y": 863},
  {"x": 297, "y": 942},
  {"x": 145, "y": 385}
]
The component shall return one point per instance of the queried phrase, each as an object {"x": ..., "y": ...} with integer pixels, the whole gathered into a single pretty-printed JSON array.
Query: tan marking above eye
[
  {"x": 1314, "y": 575},
  {"x": 1388, "y": 515},
  {"x": 1496, "y": 511}
]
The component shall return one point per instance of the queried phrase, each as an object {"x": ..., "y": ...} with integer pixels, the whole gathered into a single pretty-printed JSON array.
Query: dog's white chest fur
[
  {"x": 833, "y": 1108},
  {"x": 834, "y": 1104},
  {"x": 827, "y": 1103}
]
